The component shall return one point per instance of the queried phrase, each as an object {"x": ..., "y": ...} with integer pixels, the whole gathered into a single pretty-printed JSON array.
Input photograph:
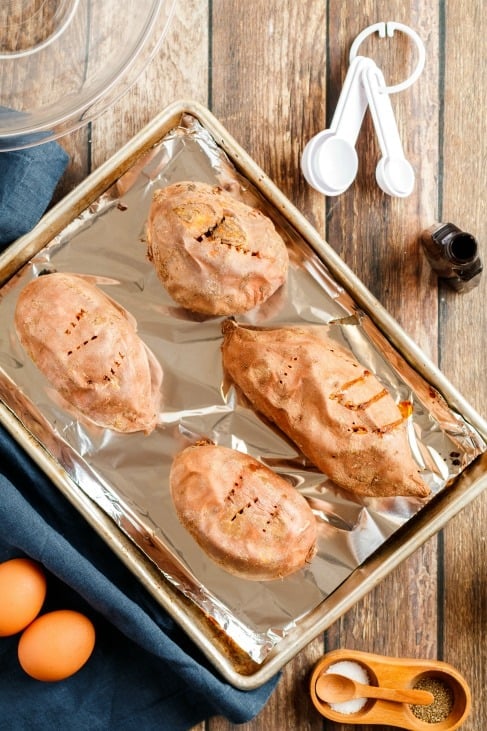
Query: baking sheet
[{"x": 126, "y": 475}]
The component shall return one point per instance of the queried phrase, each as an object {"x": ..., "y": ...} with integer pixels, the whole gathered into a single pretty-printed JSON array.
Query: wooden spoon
[{"x": 333, "y": 688}]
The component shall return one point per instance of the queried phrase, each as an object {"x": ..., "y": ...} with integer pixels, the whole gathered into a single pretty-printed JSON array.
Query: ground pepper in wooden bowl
[{"x": 442, "y": 704}]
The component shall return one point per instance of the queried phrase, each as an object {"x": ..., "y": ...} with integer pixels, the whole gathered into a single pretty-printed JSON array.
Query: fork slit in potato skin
[
  {"x": 335, "y": 410},
  {"x": 87, "y": 347}
]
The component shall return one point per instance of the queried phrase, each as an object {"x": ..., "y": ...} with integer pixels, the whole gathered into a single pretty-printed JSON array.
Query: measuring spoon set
[{"x": 329, "y": 161}]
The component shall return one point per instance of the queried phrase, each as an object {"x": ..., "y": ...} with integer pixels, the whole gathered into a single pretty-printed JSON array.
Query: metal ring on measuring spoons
[{"x": 387, "y": 29}]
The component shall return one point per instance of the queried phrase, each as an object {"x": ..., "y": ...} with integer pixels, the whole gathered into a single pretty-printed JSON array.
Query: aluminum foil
[{"x": 127, "y": 475}]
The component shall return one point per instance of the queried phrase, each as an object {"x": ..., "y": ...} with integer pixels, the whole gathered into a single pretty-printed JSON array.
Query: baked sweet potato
[
  {"x": 335, "y": 410},
  {"x": 214, "y": 254},
  {"x": 247, "y": 518},
  {"x": 87, "y": 347}
]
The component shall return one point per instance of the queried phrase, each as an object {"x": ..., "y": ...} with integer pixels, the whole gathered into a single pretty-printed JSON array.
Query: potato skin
[
  {"x": 88, "y": 348},
  {"x": 247, "y": 518},
  {"x": 214, "y": 254},
  {"x": 336, "y": 411}
]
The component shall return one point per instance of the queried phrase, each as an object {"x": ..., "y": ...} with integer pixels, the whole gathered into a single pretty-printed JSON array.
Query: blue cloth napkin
[
  {"x": 145, "y": 673},
  {"x": 28, "y": 179}
]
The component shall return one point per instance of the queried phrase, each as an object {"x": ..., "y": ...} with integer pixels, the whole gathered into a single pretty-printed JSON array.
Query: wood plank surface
[
  {"x": 272, "y": 71},
  {"x": 462, "y": 334}
]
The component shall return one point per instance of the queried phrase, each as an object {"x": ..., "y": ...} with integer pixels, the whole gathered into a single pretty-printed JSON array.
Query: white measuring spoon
[
  {"x": 394, "y": 173},
  {"x": 329, "y": 161}
]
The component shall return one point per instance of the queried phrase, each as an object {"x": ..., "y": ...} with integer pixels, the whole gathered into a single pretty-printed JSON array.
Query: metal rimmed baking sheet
[{"x": 248, "y": 647}]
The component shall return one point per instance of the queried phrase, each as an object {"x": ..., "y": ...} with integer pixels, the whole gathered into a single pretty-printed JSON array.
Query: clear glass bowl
[{"x": 63, "y": 62}]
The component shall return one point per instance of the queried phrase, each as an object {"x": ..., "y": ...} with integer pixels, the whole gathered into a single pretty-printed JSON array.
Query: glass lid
[{"x": 63, "y": 62}]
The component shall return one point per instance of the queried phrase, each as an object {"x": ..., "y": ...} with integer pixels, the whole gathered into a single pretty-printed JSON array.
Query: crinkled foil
[{"x": 127, "y": 475}]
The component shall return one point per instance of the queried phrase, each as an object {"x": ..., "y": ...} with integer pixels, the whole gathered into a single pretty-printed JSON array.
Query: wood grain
[
  {"x": 179, "y": 71},
  {"x": 463, "y": 324}
]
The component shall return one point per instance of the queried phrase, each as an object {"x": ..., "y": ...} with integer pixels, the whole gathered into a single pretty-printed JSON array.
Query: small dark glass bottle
[{"x": 453, "y": 254}]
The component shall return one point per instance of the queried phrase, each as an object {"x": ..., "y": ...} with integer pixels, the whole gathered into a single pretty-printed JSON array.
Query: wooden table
[{"x": 271, "y": 71}]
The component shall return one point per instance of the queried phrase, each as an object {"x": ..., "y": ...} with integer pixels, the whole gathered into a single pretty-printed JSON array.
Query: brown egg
[
  {"x": 22, "y": 592},
  {"x": 56, "y": 645}
]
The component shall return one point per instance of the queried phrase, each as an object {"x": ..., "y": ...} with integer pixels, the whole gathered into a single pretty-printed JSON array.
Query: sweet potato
[
  {"x": 214, "y": 254},
  {"x": 335, "y": 410},
  {"x": 248, "y": 519},
  {"x": 87, "y": 347}
]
